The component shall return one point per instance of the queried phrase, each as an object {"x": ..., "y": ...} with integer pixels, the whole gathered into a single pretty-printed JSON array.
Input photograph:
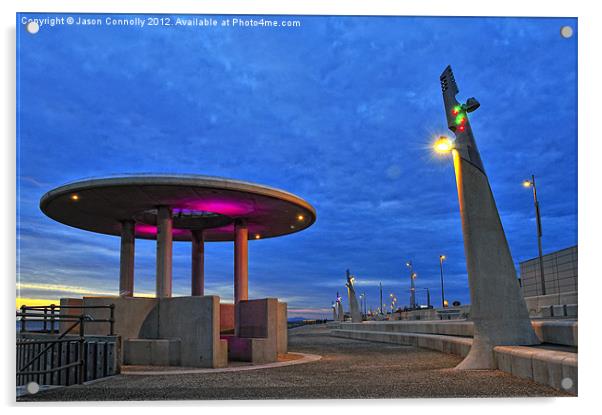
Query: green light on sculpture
[
  {"x": 456, "y": 110},
  {"x": 460, "y": 119}
]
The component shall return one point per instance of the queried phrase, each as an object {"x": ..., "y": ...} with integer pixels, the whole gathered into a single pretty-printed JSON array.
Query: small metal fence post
[
  {"x": 82, "y": 368},
  {"x": 52, "y": 306},
  {"x": 23, "y": 318}
]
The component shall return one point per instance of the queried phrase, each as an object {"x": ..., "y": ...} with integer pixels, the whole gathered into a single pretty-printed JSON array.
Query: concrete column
[
  {"x": 241, "y": 261},
  {"x": 126, "y": 261},
  {"x": 164, "y": 251},
  {"x": 198, "y": 264}
]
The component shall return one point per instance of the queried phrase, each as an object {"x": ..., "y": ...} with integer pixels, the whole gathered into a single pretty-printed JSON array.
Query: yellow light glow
[
  {"x": 257, "y": 236},
  {"x": 443, "y": 145},
  {"x": 527, "y": 183},
  {"x": 300, "y": 217},
  {"x": 74, "y": 197},
  {"x": 443, "y": 257}
]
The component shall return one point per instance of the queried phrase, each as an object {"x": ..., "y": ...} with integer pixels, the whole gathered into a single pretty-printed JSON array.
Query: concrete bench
[{"x": 151, "y": 352}]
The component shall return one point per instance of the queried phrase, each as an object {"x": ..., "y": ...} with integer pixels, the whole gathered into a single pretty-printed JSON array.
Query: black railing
[
  {"x": 55, "y": 360},
  {"x": 50, "y": 315}
]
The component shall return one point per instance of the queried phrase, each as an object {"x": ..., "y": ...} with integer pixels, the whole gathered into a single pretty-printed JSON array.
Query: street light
[
  {"x": 443, "y": 145},
  {"x": 380, "y": 286},
  {"x": 412, "y": 284},
  {"x": 364, "y": 303},
  {"x": 441, "y": 259},
  {"x": 531, "y": 183}
]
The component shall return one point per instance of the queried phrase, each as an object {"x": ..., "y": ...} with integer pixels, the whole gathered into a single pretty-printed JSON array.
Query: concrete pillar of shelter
[
  {"x": 164, "y": 251},
  {"x": 126, "y": 261},
  {"x": 241, "y": 261},
  {"x": 498, "y": 308},
  {"x": 198, "y": 263}
]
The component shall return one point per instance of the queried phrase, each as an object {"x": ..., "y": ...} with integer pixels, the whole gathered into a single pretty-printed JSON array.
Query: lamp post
[
  {"x": 412, "y": 285},
  {"x": 441, "y": 259},
  {"x": 363, "y": 304},
  {"x": 380, "y": 307},
  {"x": 531, "y": 184}
]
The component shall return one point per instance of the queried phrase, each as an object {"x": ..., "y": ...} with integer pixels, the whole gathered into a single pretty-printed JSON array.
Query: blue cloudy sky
[{"x": 341, "y": 111}]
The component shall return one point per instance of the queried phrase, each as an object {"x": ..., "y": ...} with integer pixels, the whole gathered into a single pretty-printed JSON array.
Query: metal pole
[
  {"x": 442, "y": 291},
  {"x": 52, "y": 306},
  {"x": 23, "y": 318},
  {"x": 412, "y": 285},
  {"x": 381, "y": 297},
  {"x": 538, "y": 217}
]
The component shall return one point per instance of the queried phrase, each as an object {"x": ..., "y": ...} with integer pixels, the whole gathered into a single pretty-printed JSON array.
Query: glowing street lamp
[
  {"x": 531, "y": 183},
  {"x": 443, "y": 145}
]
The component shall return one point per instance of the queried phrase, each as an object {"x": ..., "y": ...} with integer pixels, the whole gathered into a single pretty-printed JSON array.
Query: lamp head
[{"x": 443, "y": 145}]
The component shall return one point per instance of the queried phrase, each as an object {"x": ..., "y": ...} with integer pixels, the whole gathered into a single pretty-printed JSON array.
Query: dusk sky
[{"x": 341, "y": 111}]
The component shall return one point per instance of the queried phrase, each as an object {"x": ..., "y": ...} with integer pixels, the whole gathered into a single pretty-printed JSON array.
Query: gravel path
[{"x": 348, "y": 369}]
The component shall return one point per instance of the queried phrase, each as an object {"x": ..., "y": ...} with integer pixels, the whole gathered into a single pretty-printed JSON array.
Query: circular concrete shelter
[{"x": 171, "y": 208}]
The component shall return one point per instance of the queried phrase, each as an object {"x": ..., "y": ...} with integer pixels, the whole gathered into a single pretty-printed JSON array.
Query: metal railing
[{"x": 55, "y": 360}]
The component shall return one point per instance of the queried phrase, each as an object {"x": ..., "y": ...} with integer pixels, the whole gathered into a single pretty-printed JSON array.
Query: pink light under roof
[
  {"x": 222, "y": 206},
  {"x": 144, "y": 229}
]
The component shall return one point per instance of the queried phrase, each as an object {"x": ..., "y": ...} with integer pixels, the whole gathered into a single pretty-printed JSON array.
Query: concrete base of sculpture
[{"x": 498, "y": 308}]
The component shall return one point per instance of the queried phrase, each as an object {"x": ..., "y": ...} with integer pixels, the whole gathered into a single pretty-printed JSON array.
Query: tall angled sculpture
[
  {"x": 340, "y": 312},
  {"x": 354, "y": 308},
  {"x": 498, "y": 308},
  {"x": 334, "y": 311}
]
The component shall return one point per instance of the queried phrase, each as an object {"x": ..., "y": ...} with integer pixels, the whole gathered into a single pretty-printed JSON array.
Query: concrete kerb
[
  {"x": 563, "y": 332},
  {"x": 305, "y": 358}
]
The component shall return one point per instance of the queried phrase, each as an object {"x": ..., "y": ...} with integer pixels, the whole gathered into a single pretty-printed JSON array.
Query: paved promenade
[{"x": 348, "y": 369}]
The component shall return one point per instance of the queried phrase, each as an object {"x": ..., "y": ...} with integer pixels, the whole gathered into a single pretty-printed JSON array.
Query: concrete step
[{"x": 549, "y": 367}]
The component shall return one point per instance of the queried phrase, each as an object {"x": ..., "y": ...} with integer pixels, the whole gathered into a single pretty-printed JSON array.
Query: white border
[{"x": 590, "y": 149}]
